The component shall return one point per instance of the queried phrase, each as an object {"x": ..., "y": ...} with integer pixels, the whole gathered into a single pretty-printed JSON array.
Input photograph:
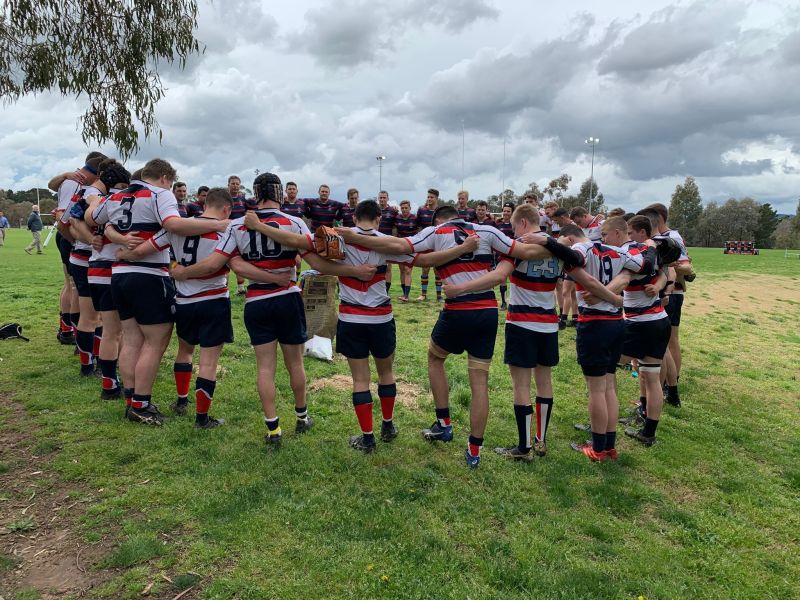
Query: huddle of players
[{"x": 127, "y": 224}]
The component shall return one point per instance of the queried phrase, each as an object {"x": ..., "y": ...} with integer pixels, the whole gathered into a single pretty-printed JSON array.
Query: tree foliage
[
  {"x": 685, "y": 208},
  {"x": 767, "y": 222},
  {"x": 108, "y": 51}
]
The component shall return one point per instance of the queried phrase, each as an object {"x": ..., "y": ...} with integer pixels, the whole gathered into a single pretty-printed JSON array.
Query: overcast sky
[{"x": 315, "y": 90}]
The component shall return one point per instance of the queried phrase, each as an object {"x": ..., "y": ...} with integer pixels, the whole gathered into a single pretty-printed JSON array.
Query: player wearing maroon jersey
[
  {"x": 406, "y": 225},
  {"x": 468, "y": 321},
  {"x": 322, "y": 210},
  {"x": 505, "y": 225},
  {"x": 388, "y": 220},
  {"x": 202, "y": 309},
  {"x": 273, "y": 310},
  {"x": 366, "y": 323},
  {"x": 482, "y": 216},
  {"x": 465, "y": 212},
  {"x": 292, "y": 205},
  {"x": 238, "y": 211},
  {"x": 180, "y": 192},
  {"x": 425, "y": 219},
  {"x": 349, "y": 209},
  {"x": 196, "y": 208}
]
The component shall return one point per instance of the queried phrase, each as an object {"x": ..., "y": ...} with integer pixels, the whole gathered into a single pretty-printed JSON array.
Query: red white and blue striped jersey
[
  {"x": 81, "y": 251},
  {"x": 294, "y": 209},
  {"x": 101, "y": 261},
  {"x": 240, "y": 206},
  {"x": 406, "y": 226},
  {"x": 603, "y": 263},
  {"x": 367, "y": 301},
  {"x": 672, "y": 233},
  {"x": 322, "y": 213},
  {"x": 140, "y": 209},
  {"x": 467, "y": 214},
  {"x": 425, "y": 217},
  {"x": 468, "y": 266},
  {"x": 531, "y": 299},
  {"x": 594, "y": 228},
  {"x": 189, "y": 250},
  {"x": 194, "y": 209},
  {"x": 388, "y": 219},
  {"x": 638, "y": 305},
  {"x": 263, "y": 252},
  {"x": 348, "y": 215}
]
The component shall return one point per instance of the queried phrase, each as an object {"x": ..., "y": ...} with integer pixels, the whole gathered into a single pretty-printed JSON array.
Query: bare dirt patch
[
  {"x": 408, "y": 394},
  {"x": 40, "y": 547},
  {"x": 744, "y": 293}
]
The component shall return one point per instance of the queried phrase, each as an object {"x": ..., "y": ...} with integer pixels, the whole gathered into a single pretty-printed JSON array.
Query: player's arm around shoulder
[
  {"x": 385, "y": 244},
  {"x": 284, "y": 237},
  {"x": 489, "y": 280},
  {"x": 433, "y": 259}
]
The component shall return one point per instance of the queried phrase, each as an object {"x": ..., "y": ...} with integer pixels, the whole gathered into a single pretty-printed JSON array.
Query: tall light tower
[
  {"x": 503, "y": 184},
  {"x": 463, "y": 144},
  {"x": 593, "y": 141},
  {"x": 380, "y": 160}
]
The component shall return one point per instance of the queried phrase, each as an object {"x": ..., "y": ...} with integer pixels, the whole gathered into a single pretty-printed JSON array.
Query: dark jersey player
[
  {"x": 425, "y": 219},
  {"x": 406, "y": 225},
  {"x": 322, "y": 211},
  {"x": 348, "y": 210}
]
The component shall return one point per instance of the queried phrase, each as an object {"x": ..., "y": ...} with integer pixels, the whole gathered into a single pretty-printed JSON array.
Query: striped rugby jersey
[
  {"x": 489, "y": 222},
  {"x": 100, "y": 262},
  {"x": 425, "y": 217},
  {"x": 348, "y": 215},
  {"x": 468, "y": 266},
  {"x": 506, "y": 228},
  {"x": 189, "y": 250},
  {"x": 183, "y": 210},
  {"x": 467, "y": 214},
  {"x": 603, "y": 263},
  {"x": 672, "y": 233},
  {"x": 264, "y": 253},
  {"x": 66, "y": 191},
  {"x": 322, "y": 213},
  {"x": 194, "y": 209},
  {"x": 367, "y": 301},
  {"x": 594, "y": 228},
  {"x": 532, "y": 299},
  {"x": 140, "y": 209},
  {"x": 388, "y": 219},
  {"x": 406, "y": 226},
  {"x": 81, "y": 251},
  {"x": 294, "y": 209},
  {"x": 240, "y": 206},
  {"x": 638, "y": 305}
]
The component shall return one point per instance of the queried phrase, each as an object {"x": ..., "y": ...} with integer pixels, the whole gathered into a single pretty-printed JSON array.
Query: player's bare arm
[
  {"x": 189, "y": 227},
  {"x": 80, "y": 230},
  {"x": 56, "y": 181},
  {"x": 434, "y": 259},
  {"x": 210, "y": 264},
  {"x": 133, "y": 254},
  {"x": 385, "y": 244},
  {"x": 128, "y": 240},
  {"x": 281, "y": 236},
  {"x": 653, "y": 289},
  {"x": 596, "y": 290},
  {"x": 330, "y": 267},
  {"x": 244, "y": 269},
  {"x": 489, "y": 280}
]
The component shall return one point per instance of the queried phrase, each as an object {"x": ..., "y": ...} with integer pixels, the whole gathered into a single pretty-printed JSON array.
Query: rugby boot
[
  {"x": 357, "y": 442},
  {"x": 388, "y": 431},
  {"x": 437, "y": 432},
  {"x": 514, "y": 453}
]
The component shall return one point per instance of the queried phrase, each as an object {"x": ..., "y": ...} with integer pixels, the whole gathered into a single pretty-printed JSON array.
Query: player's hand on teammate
[
  {"x": 76, "y": 176},
  {"x": 533, "y": 238},
  {"x": 97, "y": 243},
  {"x": 222, "y": 225},
  {"x": 470, "y": 243},
  {"x": 348, "y": 235},
  {"x": 178, "y": 273},
  {"x": 365, "y": 272},
  {"x": 251, "y": 220},
  {"x": 132, "y": 241},
  {"x": 451, "y": 290},
  {"x": 651, "y": 290}
]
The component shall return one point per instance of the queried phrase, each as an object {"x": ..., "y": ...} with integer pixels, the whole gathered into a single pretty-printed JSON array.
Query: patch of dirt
[
  {"x": 744, "y": 293},
  {"x": 408, "y": 394},
  {"x": 39, "y": 544}
]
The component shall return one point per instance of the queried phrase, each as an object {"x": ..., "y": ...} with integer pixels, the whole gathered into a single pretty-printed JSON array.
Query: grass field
[{"x": 711, "y": 511}]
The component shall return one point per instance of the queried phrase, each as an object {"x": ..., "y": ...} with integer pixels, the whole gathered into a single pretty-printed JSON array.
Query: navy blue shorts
[
  {"x": 102, "y": 298},
  {"x": 646, "y": 338},
  {"x": 470, "y": 331},
  {"x": 206, "y": 323},
  {"x": 527, "y": 349},
  {"x": 673, "y": 309},
  {"x": 281, "y": 318},
  {"x": 359, "y": 340},
  {"x": 80, "y": 276},
  {"x": 599, "y": 346},
  {"x": 150, "y": 299},
  {"x": 64, "y": 248}
]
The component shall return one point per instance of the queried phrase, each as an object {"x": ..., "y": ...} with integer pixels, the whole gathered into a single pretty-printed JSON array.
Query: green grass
[{"x": 711, "y": 511}]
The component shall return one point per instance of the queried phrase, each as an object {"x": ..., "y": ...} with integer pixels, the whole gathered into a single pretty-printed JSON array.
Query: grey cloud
[
  {"x": 353, "y": 32},
  {"x": 672, "y": 37}
]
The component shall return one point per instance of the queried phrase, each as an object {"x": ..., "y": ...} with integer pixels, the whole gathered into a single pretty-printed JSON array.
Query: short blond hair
[
  {"x": 617, "y": 223},
  {"x": 551, "y": 204},
  {"x": 527, "y": 212}
]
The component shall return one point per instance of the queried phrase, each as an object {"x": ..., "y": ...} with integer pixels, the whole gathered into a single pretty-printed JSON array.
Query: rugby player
[
  {"x": 505, "y": 225},
  {"x": 425, "y": 219},
  {"x": 591, "y": 224},
  {"x": 406, "y": 225},
  {"x": 366, "y": 324},
  {"x": 468, "y": 321},
  {"x": 388, "y": 221},
  {"x": 531, "y": 331},
  {"x": 180, "y": 192},
  {"x": 600, "y": 336},
  {"x": 202, "y": 308},
  {"x": 142, "y": 290},
  {"x": 567, "y": 300},
  {"x": 240, "y": 206},
  {"x": 196, "y": 208},
  {"x": 322, "y": 210},
  {"x": 292, "y": 205},
  {"x": 273, "y": 310},
  {"x": 348, "y": 210},
  {"x": 465, "y": 212}
]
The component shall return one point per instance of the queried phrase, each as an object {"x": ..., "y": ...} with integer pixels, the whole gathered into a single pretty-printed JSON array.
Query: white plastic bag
[{"x": 319, "y": 347}]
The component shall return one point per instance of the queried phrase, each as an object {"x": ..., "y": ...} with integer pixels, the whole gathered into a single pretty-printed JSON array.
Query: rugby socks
[
  {"x": 65, "y": 323},
  {"x": 523, "y": 413},
  {"x": 438, "y": 288},
  {"x": 650, "y": 427},
  {"x": 387, "y": 393},
  {"x": 203, "y": 396},
  {"x": 362, "y": 404},
  {"x": 183, "y": 380},
  {"x": 611, "y": 440},
  {"x": 98, "y": 337},
  {"x": 388, "y": 285},
  {"x": 140, "y": 401},
  {"x": 474, "y": 445},
  {"x": 74, "y": 318},
  {"x": 273, "y": 426},
  {"x": 406, "y": 290},
  {"x": 301, "y": 412},
  {"x": 643, "y": 406},
  {"x": 443, "y": 416},
  {"x": 672, "y": 392},
  {"x": 128, "y": 394},
  {"x": 109, "y": 370},
  {"x": 423, "y": 284},
  {"x": 544, "y": 406},
  {"x": 598, "y": 442},
  {"x": 85, "y": 342},
  {"x": 503, "y": 289}
]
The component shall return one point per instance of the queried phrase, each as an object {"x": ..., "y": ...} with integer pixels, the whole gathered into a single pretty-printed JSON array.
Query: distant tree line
[{"x": 17, "y": 205}]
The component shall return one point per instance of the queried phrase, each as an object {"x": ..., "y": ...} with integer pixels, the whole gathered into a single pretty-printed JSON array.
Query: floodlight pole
[
  {"x": 593, "y": 141},
  {"x": 380, "y": 160}
]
